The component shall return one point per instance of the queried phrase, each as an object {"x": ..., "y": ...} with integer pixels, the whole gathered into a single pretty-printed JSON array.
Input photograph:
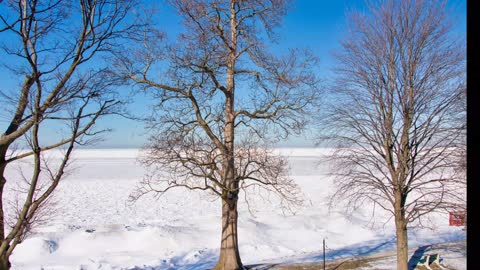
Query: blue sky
[{"x": 314, "y": 24}]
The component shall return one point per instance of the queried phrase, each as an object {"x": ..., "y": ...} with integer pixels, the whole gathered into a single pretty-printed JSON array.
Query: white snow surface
[{"x": 92, "y": 225}]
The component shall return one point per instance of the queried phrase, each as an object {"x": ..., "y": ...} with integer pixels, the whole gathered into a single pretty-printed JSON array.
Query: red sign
[{"x": 457, "y": 219}]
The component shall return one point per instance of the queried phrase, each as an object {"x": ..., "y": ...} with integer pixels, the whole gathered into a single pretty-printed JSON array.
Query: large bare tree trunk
[
  {"x": 4, "y": 263},
  {"x": 402, "y": 237},
  {"x": 229, "y": 254},
  {"x": 4, "y": 260}
]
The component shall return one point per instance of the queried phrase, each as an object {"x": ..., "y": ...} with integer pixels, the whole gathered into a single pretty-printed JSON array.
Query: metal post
[{"x": 323, "y": 253}]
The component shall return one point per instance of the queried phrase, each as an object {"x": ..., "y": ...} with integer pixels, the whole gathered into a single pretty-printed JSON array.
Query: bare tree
[
  {"x": 222, "y": 100},
  {"x": 394, "y": 113},
  {"x": 47, "y": 45}
]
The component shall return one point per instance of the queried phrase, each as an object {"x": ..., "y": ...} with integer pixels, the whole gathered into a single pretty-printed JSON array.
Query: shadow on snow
[{"x": 207, "y": 259}]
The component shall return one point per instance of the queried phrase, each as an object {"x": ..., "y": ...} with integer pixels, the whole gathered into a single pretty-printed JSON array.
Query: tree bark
[
  {"x": 402, "y": 236},
  {"x": 3, "y": 181},
  {"x": 229, "y": 255},
  {"x": 4, "y": 260}
]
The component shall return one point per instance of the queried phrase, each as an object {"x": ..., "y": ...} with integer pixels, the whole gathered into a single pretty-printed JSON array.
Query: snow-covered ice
[{"x": 93, "y": 225}]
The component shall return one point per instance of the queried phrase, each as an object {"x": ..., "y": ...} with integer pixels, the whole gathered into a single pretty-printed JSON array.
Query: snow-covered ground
[{"x": 92, "y": 225}]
